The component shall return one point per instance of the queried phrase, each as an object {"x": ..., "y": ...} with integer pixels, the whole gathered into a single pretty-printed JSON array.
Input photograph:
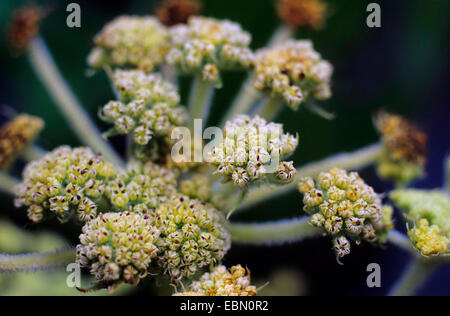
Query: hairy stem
[
  {"x": 200, "y": 101},
  {"x": 350, "y": 161},
  {"x": 7, "y": 183},
  {"x": 273, "y": 233},
  {"x": 47, "y": 71},
  {"x": 418, "y": 271},
  {"x": 32, "y": 153},
  {"x": 270, "y": 108},
  {"x": 36, "y": 261},
  {"x": 243, "y": 102},
  {"x": 282, "y": 34},
  {"x": 402, "y": 241}
]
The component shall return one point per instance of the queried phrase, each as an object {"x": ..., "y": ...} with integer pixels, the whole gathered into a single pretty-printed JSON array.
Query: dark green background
[{"x": 402, "y": 67}]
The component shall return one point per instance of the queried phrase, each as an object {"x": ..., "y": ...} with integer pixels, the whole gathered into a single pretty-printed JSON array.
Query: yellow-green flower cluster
[
  {"x": 142, "y": 188},
  {"x": 405, "y": 153},
  {"x": 16, "y": 135},
  {"x": 293, "y": 71},
  {"x": 346, "y": 208},
  {"x": 429, "y": 211},
  {"x": 252, "y": 150},
  {"x": 63, "y": 183},
  {"x": 131, "y": 42},
  {"x": 199, "y": 187},
  {"x": 118, "y": 247},
  {"x": 221, "y": 282},
  {"x": 193, "y": 236},
  {"x": 206, "y": 46},
  {"x": 149, "y": 106}
]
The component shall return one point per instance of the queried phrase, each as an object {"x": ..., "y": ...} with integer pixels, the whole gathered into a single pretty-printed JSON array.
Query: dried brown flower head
[
  {"x": 302, "y": 13},
  {"x": 173, "y": 12},
  {"x": 405, "y": 141},
  {"x": 16, "y": 135},
  {"x": 24, "y": 25}
]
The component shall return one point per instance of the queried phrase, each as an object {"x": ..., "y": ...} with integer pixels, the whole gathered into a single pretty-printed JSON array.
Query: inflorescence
[
  {"x": 253, "y": 150},
  {"x": 405, "y": 151},
  {"x": 346, "y": 208},
  {"x": 293, "y": 71},
  {"x": 222, "y": 282},
  {"x": 302, "y": 13},
  {"x": 149, "y": 107},
  {"x": 16, "y": 135},
  {"x": 63, "y": 183},
  {"x": 206, "y": 46},
  {"x": 131, "y": 42},
  {"x": 429, "y": 212},
  {"x": 173, "y": 12}
]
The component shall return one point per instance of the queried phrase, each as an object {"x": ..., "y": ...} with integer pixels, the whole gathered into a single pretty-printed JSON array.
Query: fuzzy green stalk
[
  {"x": 414, "y": 277},
  {"x": 281, "y": 35},
  {"x": 33, "y": 153},
  {"x": 201, "y": 97},
  {"x": 47, "y": 71},
  {"x": 270, "y": 108},
  {"x": 350, "y": 161},
  {"x": 402, "y": 241},
  {"x": 243, "y": 102},
  {"x": 7, "y": 183},
  {"x": 36, "y": 261},
  {"x": 273, "y": 233}
]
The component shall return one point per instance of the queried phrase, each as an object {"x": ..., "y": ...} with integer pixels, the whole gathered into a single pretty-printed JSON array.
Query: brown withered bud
[
  {"x": 302, "y": 13},
  {"x": 24, "y": 25},
  {"x": 173, "y": 12},
  {"x": 16, "y": 135},
  {"x": 405, "y": 140}
]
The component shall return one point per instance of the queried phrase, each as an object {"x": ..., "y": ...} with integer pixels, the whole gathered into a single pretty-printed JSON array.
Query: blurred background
[{"x": 401, "y": 67}]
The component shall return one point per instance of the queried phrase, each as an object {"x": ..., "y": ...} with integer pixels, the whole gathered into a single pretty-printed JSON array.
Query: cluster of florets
[
  {"x": 118, "y": 247},
  {"x": 302, "y": 13},
  {"x": 222, "y": 282},
  {"x": 16, "y": 135},
  {"x": 173, "y": 12},
  {"x": 149, "y": 107},
  {"x": 429, "y": 211},
  {"x": 293, "y": 71},
  {"x": 63, "y": 183},
  {"x": 346, "y": 208},
  {"x": 193, "y": 236},
  {"x": 405, "y": 153},
  {"x": 129, "y": 41},
  {"x": 205, "y": 46},
  {"x": 199, "y": 187},
  {"x": 252, "y": 150},
  {"x": 142, "y": 188}
]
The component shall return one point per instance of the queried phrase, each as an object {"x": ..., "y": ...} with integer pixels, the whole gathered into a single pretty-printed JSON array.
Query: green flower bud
[
  {"x": 206, "y": 46},
  {"x": 134, "y": 42},
  {"x": 294, "y": 71},
  {"x": 193, "y": 236},
  {"x": 249, "y": 148},
  {"x": 430, "y": 235},
  {"x": 118, "y": 247},
  {"x": 346, "y": 208},
  {"x": 63, "y": 183},
  {"x": 152, "y": 110}
]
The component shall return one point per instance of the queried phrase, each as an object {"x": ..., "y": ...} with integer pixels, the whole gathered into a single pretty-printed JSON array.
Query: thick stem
[
  {"x": 273, "y": 233},
  {"x": 282, "y": 34},
  {"x": 36, "y": 261},
  {"x": 32, "y": 153},
  {"x": 269, "y": 109},
  {"x": 244, "y": 101},
  {"x": 418, "y": 271},
  {"x": 200, "y": 101},
  {"x": 47, "y": 71},
  {"x": 7, "y": 183},
  {"x": 402, "y": 241},
  {"x": 350, "y": 161}
]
